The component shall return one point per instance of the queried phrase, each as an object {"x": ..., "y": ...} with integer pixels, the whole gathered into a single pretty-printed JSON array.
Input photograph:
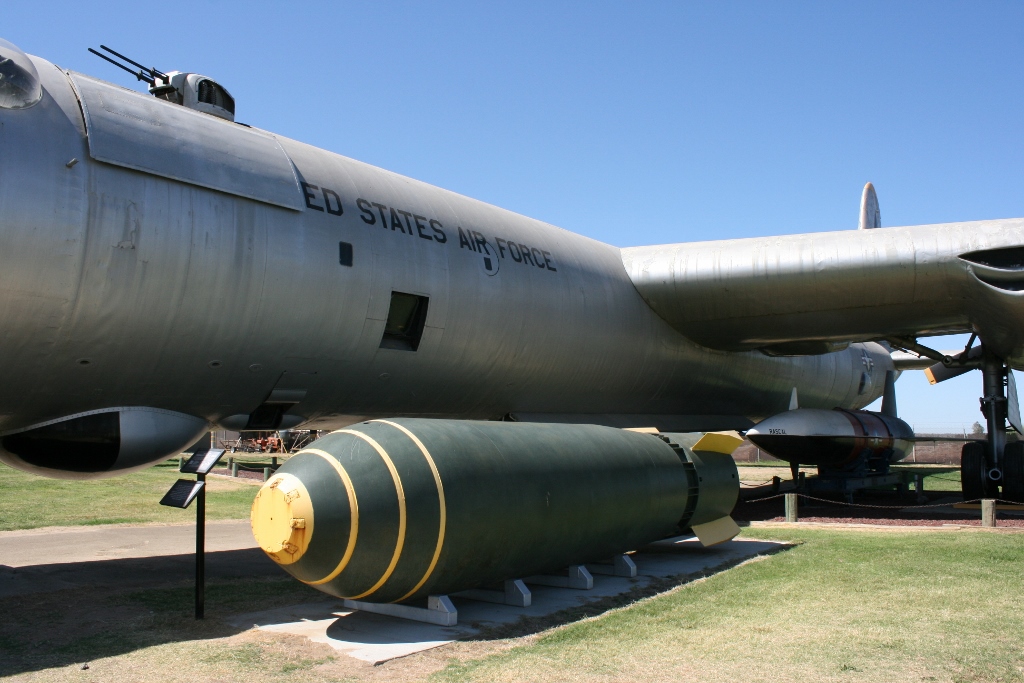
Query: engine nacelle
[
  {"x": 834, "y": 439},
  {"x": 100, "y": 443}
]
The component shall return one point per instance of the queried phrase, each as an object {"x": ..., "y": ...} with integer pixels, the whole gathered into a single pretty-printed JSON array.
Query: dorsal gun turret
[{"x": 190, "y": 90}]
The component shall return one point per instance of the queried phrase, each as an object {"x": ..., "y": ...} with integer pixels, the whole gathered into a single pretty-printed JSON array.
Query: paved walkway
[
  {"x": 63, "y": 545},
  {"x": 120, "y": 556}
]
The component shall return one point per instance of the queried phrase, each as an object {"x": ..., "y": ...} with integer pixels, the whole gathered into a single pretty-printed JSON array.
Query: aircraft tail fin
[{"x": 870, "y": 216}]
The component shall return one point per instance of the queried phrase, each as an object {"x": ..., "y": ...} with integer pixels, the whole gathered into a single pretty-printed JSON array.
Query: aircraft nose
[{"x": 44, "y": 210}]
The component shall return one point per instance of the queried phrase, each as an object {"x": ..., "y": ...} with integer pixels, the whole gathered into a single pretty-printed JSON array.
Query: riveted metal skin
[
  {"x": 107, "y": 261},
  {"x": 509, "y": 499},
  {"x": 842, "y": 286},
  {"x": 157, "y": 258}
]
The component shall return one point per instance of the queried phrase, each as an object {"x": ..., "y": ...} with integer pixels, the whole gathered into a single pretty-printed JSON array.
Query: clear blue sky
[{"x": 633, "y": 123}]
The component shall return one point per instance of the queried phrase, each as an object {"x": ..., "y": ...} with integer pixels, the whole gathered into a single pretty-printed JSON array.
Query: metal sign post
[
  {"x": 201, "y": 547},
  {"x": 181, "y": 495}
]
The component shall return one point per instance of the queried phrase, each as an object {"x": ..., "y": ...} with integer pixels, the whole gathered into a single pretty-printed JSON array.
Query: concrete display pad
[{"x": 375, "y": 638}]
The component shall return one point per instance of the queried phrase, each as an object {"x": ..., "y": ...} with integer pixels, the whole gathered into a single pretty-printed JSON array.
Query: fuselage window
[{"x": 211, "y": 93}]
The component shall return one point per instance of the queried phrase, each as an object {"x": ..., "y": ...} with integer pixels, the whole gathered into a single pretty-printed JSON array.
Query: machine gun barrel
[{"x": 145, "y": 73}]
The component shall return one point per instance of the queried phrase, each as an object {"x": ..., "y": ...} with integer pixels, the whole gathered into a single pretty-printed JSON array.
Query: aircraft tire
[
  {"x": 1013, "y": 472},
  {"x": 972, "y": 470}
]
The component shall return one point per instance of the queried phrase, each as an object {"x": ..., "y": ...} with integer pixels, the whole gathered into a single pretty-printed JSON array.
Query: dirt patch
[
  {"x": 248, "y": 476},
  {"x": 243, "y": 478}
]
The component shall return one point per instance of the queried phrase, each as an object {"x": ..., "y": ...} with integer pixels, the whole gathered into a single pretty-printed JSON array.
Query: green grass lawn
[
  {"x": 28, "y": 501},
  {"x": 876, "y": 606},
  {"x": 842, "y": 606},
  {"x": 936, "y": 477}
]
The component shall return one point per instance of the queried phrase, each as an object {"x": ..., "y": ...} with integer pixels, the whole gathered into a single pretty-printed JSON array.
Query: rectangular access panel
[{"x": 138, "y": 131}]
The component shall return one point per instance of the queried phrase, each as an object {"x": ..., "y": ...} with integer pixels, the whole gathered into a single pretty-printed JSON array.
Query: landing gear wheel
[
  {"x": 1013, "y": 472},
  {"x": 973, "y": 473}
]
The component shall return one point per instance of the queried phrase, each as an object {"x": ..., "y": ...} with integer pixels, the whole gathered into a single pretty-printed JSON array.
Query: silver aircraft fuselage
[{"x": 193, "y": 264}]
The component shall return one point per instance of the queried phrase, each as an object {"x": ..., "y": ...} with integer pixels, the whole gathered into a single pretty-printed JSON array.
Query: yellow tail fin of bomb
[
  {"x": 724, "y": 528},
  {"x": 719, "y": 442},
  {"x": 719, "y": 531}
]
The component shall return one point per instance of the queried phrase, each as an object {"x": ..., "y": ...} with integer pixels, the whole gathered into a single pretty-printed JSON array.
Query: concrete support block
[
  {"x": 620, "y": 565},
  {"x": 514, "y": 592},
  {"x": 791, "y": 510},
  {"x": 988, "y": 512},
  {"x": 577, "y": 577},
  {"x": 439, "y": 610}
]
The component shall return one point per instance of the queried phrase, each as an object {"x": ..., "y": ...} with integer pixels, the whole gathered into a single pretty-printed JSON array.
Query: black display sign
[
  {"x": 202, "y": 462},
  {"x": 182, "y": 493}
]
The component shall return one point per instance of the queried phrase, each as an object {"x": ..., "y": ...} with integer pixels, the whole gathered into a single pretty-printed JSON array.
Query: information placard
[
  {"x": 202, "y": 462},
  {"x": 182, "y": 493}
]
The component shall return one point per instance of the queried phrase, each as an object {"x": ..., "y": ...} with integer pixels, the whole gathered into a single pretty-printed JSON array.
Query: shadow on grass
[
  {"x": 529, "y": 625},
  {"x": 69, "y": 614}
]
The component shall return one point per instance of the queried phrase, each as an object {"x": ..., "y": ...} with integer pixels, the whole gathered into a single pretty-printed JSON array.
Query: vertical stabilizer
[{"x": 870, "y": 216}]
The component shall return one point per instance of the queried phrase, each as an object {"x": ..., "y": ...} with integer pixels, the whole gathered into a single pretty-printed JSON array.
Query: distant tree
[{"x": 976, "y": 428}]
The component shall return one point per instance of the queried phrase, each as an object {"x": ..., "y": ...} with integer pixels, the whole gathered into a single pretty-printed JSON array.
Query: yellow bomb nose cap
[{"x": 282, "y": 518}]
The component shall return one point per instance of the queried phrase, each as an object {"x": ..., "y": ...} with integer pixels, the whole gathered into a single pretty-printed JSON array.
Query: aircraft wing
[{"x": 809, "y": 293}]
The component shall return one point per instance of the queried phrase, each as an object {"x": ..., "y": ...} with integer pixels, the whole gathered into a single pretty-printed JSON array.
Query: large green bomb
[{"x": 392, "y": 510}]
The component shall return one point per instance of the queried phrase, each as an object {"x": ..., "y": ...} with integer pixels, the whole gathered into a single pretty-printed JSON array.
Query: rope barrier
[
  {"x": 253, "y": 468},
  {"x": 878, "y": 507}
]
